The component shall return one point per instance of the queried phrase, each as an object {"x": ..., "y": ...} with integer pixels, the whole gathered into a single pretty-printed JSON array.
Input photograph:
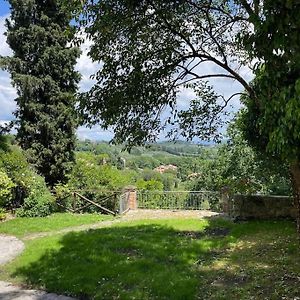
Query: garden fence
[{"x": 190, "y": 200}]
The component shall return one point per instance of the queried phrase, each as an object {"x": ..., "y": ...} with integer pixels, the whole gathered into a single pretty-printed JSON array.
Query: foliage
[
  {"x": 19, "y": 171},
  {"x": 39, "y": 203},
  {"x": 2, "y": 214},
  {"x": 188, "y": 157},
  {"x": 233, "y": 165},
  {"x": 3, "y": 142},
  {"x": 6, "y": 186},
  {"x": 94, "y": 180},
  {"x": 149, "y": 58},
  {"x": 90, "y": 173},
  {"x": 163, "y": 259},
  {"x": 168, "y": 43},
  {"x": 240, "y": 169},
  {"x": 29, "y": 192},
  {"x": 149, "y": 185},
  {"x": 271, "y": 118},
  {"x": 271, "y": 122},
  {"x": 42, "y": 70}
]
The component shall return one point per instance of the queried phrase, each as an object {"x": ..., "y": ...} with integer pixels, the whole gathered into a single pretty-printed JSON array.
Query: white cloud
[
  {"x": 7, "y": 92},
  {"x": 4, "y": 48},
  {"x": 85, "y": 66},
  {"x": 94, "y": 133}
]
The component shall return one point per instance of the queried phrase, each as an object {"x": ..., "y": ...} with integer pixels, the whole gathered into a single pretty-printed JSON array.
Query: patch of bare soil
[
  {"x": 141, "y": 214},
  {"x": 230, "y": 280},
  {"x": 218, "y": 231}
]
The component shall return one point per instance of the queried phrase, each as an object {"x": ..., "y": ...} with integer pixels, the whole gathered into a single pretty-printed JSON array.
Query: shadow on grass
[{"x": 150, "y": 262}]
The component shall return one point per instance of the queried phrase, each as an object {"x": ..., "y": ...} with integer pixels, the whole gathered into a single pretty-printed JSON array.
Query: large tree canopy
[
  {"x": 272, "y": 123},
  {"x": 149, "y": 49},
  {"x": 42, "y": 70}
]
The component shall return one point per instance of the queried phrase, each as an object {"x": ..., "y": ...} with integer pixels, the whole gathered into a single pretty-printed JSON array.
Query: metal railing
[
  {"x": 189, "y": 200},
  {"x": 124, "y": 203}
]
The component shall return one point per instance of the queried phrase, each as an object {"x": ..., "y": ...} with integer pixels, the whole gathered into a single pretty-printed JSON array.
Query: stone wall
[{"x": 245, "y": 207}]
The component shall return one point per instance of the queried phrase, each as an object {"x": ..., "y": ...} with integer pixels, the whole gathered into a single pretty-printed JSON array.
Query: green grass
[
  {"x": 23, "y": 226},
  {"x": 166, "y": 259}
]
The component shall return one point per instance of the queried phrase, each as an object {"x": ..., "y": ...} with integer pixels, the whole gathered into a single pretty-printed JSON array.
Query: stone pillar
[
  {"x": 226, "y": 203},
  {"x": 132, "y": 199}
]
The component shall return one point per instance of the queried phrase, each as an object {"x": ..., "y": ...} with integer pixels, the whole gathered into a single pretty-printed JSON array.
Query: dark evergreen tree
[
  {"x": 3, "y": 143},
  {"x": 42, "y": 70}
]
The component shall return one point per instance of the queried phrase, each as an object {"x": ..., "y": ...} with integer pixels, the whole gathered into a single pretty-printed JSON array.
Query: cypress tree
[{"x": 42, "y": 70}]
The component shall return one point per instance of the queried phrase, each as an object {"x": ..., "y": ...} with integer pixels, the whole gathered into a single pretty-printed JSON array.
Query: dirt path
[
  {"x": 10, "y": 247},
  {"x": 132, "y": 215},
  {"x": 141, "y": 214},
  {"x": 10, "y": 292}
]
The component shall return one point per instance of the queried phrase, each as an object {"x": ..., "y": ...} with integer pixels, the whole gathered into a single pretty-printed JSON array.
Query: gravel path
[
  {"x": 10, "y": 247},
  {"x": 10, "y": 292}
]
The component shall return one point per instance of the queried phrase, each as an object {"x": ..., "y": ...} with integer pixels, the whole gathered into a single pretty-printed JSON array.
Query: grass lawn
[
  {"x": 23, "y": 226},
  {"x": 166, "y": 259}
]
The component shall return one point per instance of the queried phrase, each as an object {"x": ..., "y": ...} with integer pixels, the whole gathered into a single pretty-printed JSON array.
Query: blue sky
[
  {"x": 4, "y": 7},
  {"x": 86, "y": 67}
]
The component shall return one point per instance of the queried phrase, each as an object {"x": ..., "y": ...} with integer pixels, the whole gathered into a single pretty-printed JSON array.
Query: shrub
[
  {"x": 149, "y": 185},
  {"x": 95, "y": 181},
  {"x": 2, "y": 214},
  {"x": 63, "y": 195},
  {"x": 15, "y": 165},
  {"x": 39, "y": 203},
  {"x": 6, "y": 186}
]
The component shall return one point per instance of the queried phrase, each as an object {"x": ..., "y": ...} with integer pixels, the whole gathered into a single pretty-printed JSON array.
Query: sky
[{"x": 86, "y": 67}]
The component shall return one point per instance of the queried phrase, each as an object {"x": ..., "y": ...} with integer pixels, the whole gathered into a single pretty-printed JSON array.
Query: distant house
[
  {"x": 163, "y": 168},
  {"x": 194, "y": 175}
]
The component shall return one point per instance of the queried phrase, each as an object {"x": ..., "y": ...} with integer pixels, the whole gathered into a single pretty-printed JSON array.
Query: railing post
[
  {"x": 133, "y": 200},
  {"x": 74, "y": 202},
  {"x": 226, "y": 201},
  {"x": 132, "y": 197}
]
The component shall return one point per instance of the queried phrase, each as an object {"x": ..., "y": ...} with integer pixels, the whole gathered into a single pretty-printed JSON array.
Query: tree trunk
[{"x": 295, "y": 174}]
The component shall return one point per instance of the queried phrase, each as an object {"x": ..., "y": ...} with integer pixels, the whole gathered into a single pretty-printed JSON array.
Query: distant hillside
[{"x": 178, "y": 148}]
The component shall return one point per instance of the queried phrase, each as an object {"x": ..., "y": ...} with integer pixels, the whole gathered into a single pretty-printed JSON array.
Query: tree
[
  {"x": 3, "y": 143},
  {"x": 242, "y": 170},
  {"x": 42, "y": 70},
  {"x": 150, "y": 49},
  {"x": 271, "y": 124}
]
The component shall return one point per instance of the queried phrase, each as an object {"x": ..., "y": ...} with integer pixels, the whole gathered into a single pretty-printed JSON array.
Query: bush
[
  {"x": 15, "y": 165},
  {"x": 149, "y": 185},
  {"x": 28, "y": 190},
  {"x": 39, "y": 203},
  {"x": 2, "y": 214},
  {"x": 95, "y": 181},
  {"x": 6, "y": 186}
]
